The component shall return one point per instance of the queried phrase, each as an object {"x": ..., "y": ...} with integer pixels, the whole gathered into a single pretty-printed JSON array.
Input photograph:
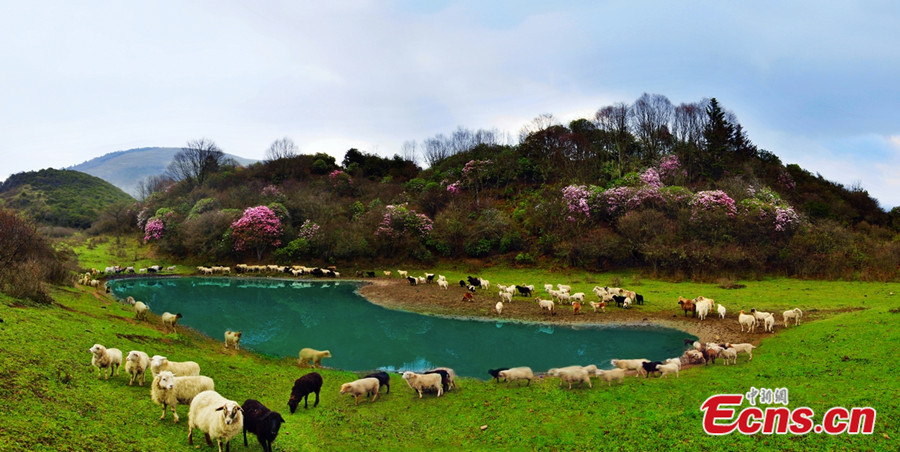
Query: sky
[{"x": 816, "y": 83}]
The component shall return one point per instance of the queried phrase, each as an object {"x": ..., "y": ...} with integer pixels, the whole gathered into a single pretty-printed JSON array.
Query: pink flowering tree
[
  {"x": 341, "y": 182},
  {"x": 766, "y": 207},
  {"x": 473, "y": 176},
  {"x": 158, "y": 225},
  {"x": 258, "y": 228},
  {"x": 401, "y": 221}
]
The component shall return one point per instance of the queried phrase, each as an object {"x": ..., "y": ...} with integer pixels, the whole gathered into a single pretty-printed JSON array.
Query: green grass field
[{"x": 846, "y": 356}]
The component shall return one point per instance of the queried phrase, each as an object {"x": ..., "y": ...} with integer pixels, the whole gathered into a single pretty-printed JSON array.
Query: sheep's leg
[
  {"x": 190, "y": 435},
  {"x": 209, "y": 441},
  {"x": 174, "y": 413},
  {"x": 163, "y": 413}
]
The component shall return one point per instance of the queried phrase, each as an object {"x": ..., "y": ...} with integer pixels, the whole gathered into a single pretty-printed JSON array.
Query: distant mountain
[
  {"x": 60, "y": 197},
  {"x": 125, "y": 169}
]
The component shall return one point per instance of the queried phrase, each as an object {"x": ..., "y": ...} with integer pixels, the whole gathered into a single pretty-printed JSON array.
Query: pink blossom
[
  {"x": 154, "y": 229},
  {"x": 713, "y": 200},
  {"x": 258, "y": 228}
]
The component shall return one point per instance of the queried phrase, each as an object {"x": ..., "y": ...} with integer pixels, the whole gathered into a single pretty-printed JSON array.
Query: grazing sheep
[
  {"x": 571, "y": 374},
  {"x": 412, "y": 281},
  {"x": 363, "y": 386},
  {"x": 402, "y": 273},
  {"x": 485, "y": 284},
  {"x": 451, "y": 375},
  {"x": 794, "y": 314},
  {"x": 106, "y": 358},
  {"x": 729, "y": 354},
  {"x": 263, "y": 422},
  {"x": 746, "y": 320},
  {"x": 668, "y": 368},
  {"x": 613, "y": 374},
  {"x": 303, "y": 387},
  {"x": 445, "y": 378},
  {"x": 384, "y": 380},
  {"x": 221, "y": 419},
  {"x": 308, "y": 354},
  {"x": 386, "y": 273},
  {"x": 564, "y": 287},
  {"x": 443, "y": 284},
  {"x": 505, "y": 296},
  {"x": 525, "y": 291},
  {"x": 626, "y": 303},
  {"x": 496, "y": 373},
  {"x": 169, "y": 390},
  {"x": 721, "y": 309},
  {"x": 169, "y": 320},
  {"x": 759, "y": 315},
  {"x": 421, "y": 382},
  {"x": 499, "y": 307},
  {"x": 769, "y": 324},
  {"x": 693, "y": 356},
  {"x": 629, "y": 364},
  {"x": 179, "y": 369},
  {"x": 743, "y": 348},
  {"x": 601, "y": 305},
  {"x": 516, "y": 373},
  {"x": 576, "y": 308},
  {"x": 136, "y": 364},
  {"x": 233, "y": 338},
  {"x": 545, "y": 304},
  {"x": 140, "y": 310},
  {"x": 577, "y": 296}
]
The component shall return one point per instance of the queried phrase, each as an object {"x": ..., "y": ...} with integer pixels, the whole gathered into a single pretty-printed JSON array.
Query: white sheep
[
  {"x": 168, "y": 390},
  {"x": 729, "y": 354},
  {"x": 485, "y": 284},
  {"x": 233, "y": 338},
  {"x": 441, "y": 278},
  {"x": 106, "y": 358},
  {"x": 794, "y": 314},
  {"x": 179, "y": 369},
  {"x": 221, "y": 419},
  {"x": 668, "y": 368},
  {"x": 312, "y": 356},
  {"x": 760, "y": 316},
  {"x": 505, "y": 296},
  {"x": 630, "y": 364},
  {"x": 499, "y": 307},
  {"x": 571, "y": 374},
  {"x": 361, "y": 387},
  {"x": 769, "y": 324},
  {"x": 169, "y": 320},
  {"x": 612, "y": 374},
  {"x": 420, "y": 382},
  {"x": 564, "y": 297},
  {"x": 577, "y": 296},
  {"x": 545, "y": 304},
  {"x": 743, "y": 348},
  {"x": 140, "y": 310},
  {"x": 746, "y": 320},
  {"x": 703, "y": 307},
  {"x": 517, "y": 373},
  {"x": 443, "y": 284},
  {"x": 548, "y": 287},
  {"x": 564, "y": 287},
  {"x": 403, "y": 273},
  {"x": 136, "y": 364},
  {"x": 721, "y": 309}
]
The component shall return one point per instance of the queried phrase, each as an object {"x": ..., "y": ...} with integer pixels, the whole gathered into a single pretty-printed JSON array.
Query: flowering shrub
[
  {"x": 454, "y": 188},
  {"x": 712, "y": 201},
  {"x": 257, "y": 228},
  {"x": 650, "y": 178},
  {"x": 767, "y": 206},
  {"x": 308, "y": 230},
  {"x": 400, "y": 220},
  {"x": 670, "y": 167},
  {"x": 271, "y": 191},
  {"x": 154, "y": 229},
  {"x": 785, "y": 179},
  {"x": 142, "y": 217},
  {"x": 576, "y": 199}
]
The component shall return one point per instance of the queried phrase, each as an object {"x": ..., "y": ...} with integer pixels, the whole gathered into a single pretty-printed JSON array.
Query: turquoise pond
[{"x": 279, "y": 317}]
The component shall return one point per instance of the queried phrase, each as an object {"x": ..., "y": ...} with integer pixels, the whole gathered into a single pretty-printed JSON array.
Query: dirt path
[{"x": 430, "y": 299}]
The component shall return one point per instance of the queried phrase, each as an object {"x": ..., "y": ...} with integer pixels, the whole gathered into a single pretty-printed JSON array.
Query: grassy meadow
[{"x": 844, "y": 354}]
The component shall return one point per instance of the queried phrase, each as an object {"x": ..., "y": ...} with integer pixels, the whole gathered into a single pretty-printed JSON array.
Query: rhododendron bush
[
  {"x": 258, "y": 228},
  {"x": 400, "y": 220}
]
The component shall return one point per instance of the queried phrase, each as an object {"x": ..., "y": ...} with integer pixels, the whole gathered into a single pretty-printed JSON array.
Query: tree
[
  {"x": 196, "y": 161},
  {"x": 717, "y": 136},
  {"x": 650, "y": 116},
  {"x": 408, "y": 151},
  {"x": 258, "y": 228},
  {"x": 281, "y": 149},
  {"x": 613, "y": 120}
]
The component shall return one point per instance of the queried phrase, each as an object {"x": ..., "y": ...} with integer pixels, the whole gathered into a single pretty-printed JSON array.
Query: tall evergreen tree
[{"x": 717, "y": 136}]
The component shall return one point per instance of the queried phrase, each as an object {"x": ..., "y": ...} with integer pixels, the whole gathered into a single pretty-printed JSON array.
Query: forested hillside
[
  {"x": 60, "y": 197},
  {"x": 674, "y": 190}
]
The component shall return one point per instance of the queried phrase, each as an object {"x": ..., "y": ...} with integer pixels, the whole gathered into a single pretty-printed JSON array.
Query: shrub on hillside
[{"x": 27, "y": 261}]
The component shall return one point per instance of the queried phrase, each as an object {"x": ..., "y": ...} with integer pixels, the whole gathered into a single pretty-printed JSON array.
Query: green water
[{"x": 281, "y": 317}]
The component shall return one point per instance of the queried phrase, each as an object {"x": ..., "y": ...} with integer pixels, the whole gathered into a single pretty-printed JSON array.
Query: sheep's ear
[
  {"x": 220, "y": 408},
  {"x": 239, "y": 408}
]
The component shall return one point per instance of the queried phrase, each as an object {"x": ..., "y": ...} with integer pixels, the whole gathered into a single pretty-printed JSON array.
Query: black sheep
[
  {"x": 462, "y": 283},
  {"x": 445, "y": 378},
  {"x": 639, "y": 299},
  {"x": 524, "y": 290},
  {"x": 474, "y": 281},
  {"x": 303, "y": 387},
  {"x": 412, "y": 281},
  {"x": 496, "y": 373},
  {"x": 384, "y": 380},
  {"x": 620, "y": 300},
  {"x": 650, "y": 366},
  {"x": 262, "y": 421},
  {"x": 370, "y": 274}
]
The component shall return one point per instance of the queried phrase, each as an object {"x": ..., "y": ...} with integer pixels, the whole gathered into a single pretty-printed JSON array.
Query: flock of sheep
[{"x": 702, "y": 306}]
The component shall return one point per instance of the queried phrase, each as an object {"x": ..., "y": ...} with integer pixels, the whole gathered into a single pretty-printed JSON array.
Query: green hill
[{"x": 60, "y": 197}]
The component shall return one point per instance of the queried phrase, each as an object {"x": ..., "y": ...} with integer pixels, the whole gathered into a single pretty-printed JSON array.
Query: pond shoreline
[{"x": 429, "y": 299}]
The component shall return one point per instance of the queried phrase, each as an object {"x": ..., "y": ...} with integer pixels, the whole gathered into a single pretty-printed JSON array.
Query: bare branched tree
[
  {"x": 196, "y": 161},
  {"x": 650, "y": 116},
  {"x": 152, "y": 184},
  {"x": 408, "y": 151},
  {"x": 539, "y": 123},
  {"x": 281, "y": 149}
]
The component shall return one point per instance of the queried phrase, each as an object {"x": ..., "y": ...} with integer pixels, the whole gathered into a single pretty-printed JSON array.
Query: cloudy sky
[{"x": 817, "y": 83}]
